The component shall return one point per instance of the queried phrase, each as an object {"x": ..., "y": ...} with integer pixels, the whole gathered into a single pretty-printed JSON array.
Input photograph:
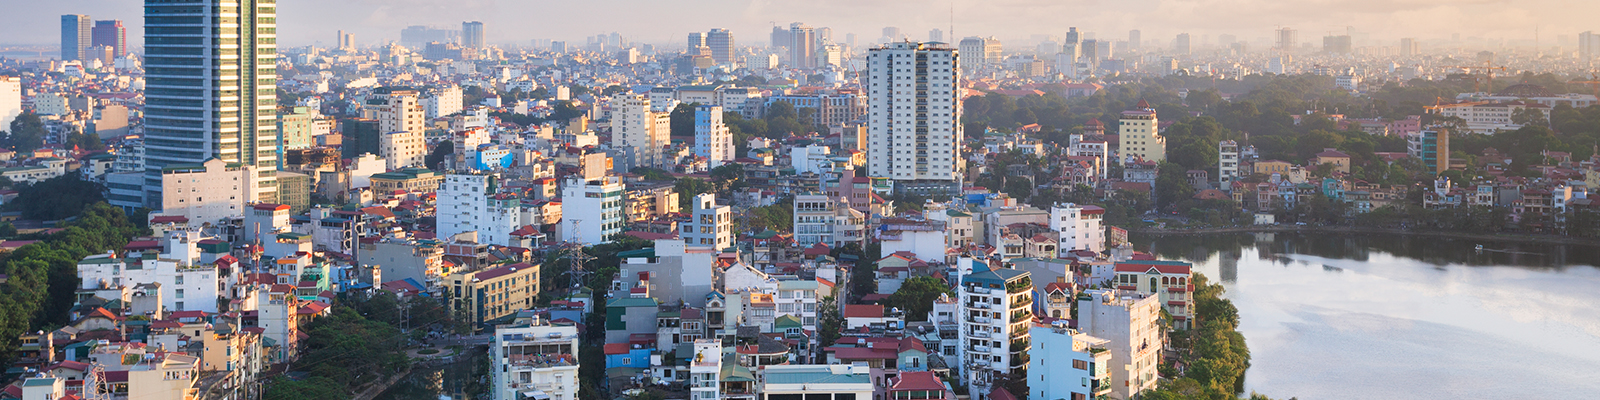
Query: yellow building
[
  {"x": 1270, "y": 167},
  {"x": 1139, "y": 135},
  {"x": 489, "y": 293}
]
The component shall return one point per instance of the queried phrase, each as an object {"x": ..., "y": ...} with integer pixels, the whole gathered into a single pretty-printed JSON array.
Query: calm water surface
[{"x": 1364, "y": 316}]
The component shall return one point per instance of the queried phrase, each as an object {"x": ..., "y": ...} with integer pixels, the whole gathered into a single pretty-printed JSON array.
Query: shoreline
[{"x": 1552, "y": 239}]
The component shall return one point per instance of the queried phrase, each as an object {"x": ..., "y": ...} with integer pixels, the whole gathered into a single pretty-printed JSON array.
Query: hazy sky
[{"x": 303, "y": 22}]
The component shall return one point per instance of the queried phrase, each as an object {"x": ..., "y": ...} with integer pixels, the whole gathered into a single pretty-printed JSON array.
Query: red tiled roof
[
  {"x": 918, "y": 381},
  {"x": 271, "y": 207},
  {"x": 616, "y": 348},
  {"x": 863, "y": 311}
]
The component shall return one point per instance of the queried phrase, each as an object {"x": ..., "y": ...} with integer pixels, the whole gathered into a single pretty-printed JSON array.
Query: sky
[{"x": 304, "y": 22}]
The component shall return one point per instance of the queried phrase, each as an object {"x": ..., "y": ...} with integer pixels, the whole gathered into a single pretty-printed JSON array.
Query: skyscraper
[
  {"x": 936, "y": 35},
  {"x": 891, "y": 34},
  {"x": 1588, "y": 45},
  {"x": 696, "y": 39},
  {"x": 721, "y": 43},
  {"x": 224, "y": 108},
  {"x": 345, "y": 40},
  {"x": 1133, "y": 39},
  {"x": 779, "y": 38},
  {"x": 1336, "y": 44},
  {"x": 1181, "y": 44},
  {"x": 1408, "y": 46},
  {"x": 980, "y": 51},
  {"x": 75, "y": 37},
  {"x": 110, "y": 33},
  {"x": 802, "y": 46},
  {"x": 1286, "y": 40},
  {"x": 472, "y": 35},
  {"x": 914, "y": 116}
]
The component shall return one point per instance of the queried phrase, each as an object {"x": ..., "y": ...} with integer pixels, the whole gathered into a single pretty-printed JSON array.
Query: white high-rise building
[
  {"x": 712, "y": 139},
  {"x": 914, "y": 116},
  {"x": 468, "y": 203},
  {"x": 1227, "y": 164},
  {"x": 996, "y": 317},
  {"x": 441, "y": 102},
  {"x": 400, "y": 124},
  {"x": 591, "y": 209},
  {"x": 211, "y": 89},
  {"x": 645, "y": 127},
  {"x": 10, "y": 100},
  {"x": 709, "y": 224},
  {"x": 1080, "y": 227},
  {"x": 205, "y": 193}
]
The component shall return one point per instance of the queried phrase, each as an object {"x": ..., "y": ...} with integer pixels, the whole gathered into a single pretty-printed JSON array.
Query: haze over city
[
  {"x": 304, "y": 22},
  {"x": 799, "y": 200}
]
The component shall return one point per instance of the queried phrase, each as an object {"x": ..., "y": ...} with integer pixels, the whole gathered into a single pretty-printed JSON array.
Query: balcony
[
  {"x": 978, "y": 320},
  {"x": 978, "y": 334},
  {"x": 979, "y": 349}
]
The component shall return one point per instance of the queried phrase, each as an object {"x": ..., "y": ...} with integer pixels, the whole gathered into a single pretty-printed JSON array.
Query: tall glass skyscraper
[
  {"x": 211, "y": 89},
  {"x": 75, "y": 31},
  {"x": 472, "y": 35}
]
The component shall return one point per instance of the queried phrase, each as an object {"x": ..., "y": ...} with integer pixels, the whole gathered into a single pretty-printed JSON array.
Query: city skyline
[{"x": 371, "y": 22}]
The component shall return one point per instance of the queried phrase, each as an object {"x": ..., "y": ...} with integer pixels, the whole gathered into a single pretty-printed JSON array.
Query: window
[
  {"x": 1080, "y": 364},
  {"x": 179, "y": 294}
]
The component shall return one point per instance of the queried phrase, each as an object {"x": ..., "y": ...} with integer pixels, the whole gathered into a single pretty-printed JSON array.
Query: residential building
[
  {"x": 493, "y": 292},
  {"x": 471, "y": 203},
  {"x": 1131, "y": 323},
  {"x": 820, "y": 219},
  {"x": 441, "y": 102},
  {"x": 1140, "y": 135},
  {"x": 712, "y": 139},
  {"x": 669, "y": 272},
  {"x": 644, "y": 126},
  {"x": 914, "y": 122},
  {"x": 1227, "y": 164},
  {"x": 709, "y": 224},
  {"x": 205, "y": 193},
  {"x": 816, "y": 381},
  {"x": 981, "y": 52},
  {"x": 534, "y": 359},
  {"x": 1080, "y": 227},
  {"x": 998, "y": 311},
  {"x": 1338, "y": 159},
  {"x": 185, "y": 269},
  {"x": 705, "y": 370},
  {"x": 1165, "y": 280},
  {"x": 1068, "y": 364},
  {"x": 223, "y": 109},
  {"x": 591, "y": 209}
]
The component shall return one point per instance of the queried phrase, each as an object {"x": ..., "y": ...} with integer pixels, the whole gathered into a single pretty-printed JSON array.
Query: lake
[{"x": 1330, "y": 316}]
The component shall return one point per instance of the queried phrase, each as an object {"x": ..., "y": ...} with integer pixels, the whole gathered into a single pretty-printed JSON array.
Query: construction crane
[
  {"x": 1593, "y": 82},
  {"x": 1477, "y": 85}
]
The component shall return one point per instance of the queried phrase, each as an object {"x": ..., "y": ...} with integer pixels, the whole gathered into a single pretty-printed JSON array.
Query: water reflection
[{"x": 1371, "y": 316}]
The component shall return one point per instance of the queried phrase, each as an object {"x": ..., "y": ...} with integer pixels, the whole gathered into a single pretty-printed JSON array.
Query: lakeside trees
[{"x": 1214, "y": 352}]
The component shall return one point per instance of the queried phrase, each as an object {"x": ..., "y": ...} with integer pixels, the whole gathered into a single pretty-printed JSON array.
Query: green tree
[
  {"x": 27, "y": 133},
  {"x": 916, "y": 296},
  {"x": 683, "y": 119},
  {"x": 435, "y": 158}
]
